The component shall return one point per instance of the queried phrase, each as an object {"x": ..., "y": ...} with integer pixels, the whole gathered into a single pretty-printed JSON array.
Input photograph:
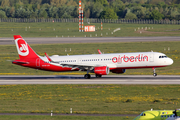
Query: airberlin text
[{"x": 138, "y": 58}]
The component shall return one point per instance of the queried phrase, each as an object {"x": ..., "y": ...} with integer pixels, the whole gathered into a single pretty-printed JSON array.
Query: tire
[
  {"x": 98, "y": 76},
  {"x": 155, "y": 74},
  {"x": 87, "y": 76}
]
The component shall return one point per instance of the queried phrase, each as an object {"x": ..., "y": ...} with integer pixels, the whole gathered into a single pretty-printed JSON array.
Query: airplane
[
  {"x": 159, "y": 115},
  {"x": 100, "y": 64}
]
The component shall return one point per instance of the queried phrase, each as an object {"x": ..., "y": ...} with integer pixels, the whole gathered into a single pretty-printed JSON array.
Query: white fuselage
[{"x": 116, "y": 60}]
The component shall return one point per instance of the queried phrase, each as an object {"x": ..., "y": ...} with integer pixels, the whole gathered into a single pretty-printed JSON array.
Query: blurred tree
[
  {"x": 66, "y": 15},
  {"x": 96, "y": 10},
  {"x": 45, "y": 2},
  {"x": 67, "y": 12},
  {"x": 103, "y": 2},
  {"x": 118, "y": 7},
  {"x": 34, "y": 14},
  {"x": 138, "y": 11},
  {"x": 2, "y": 14},
  {"x": 12, "y": 12},
  {"x": 58, "y": 3},
  {"x": 155, "y": 2},
  {"x": 46, "y": 6},
  {"x": 72, "y": 3},
  {"x": 38, "y": 6},
  {"x": 5, "y": 3},
  {"x": 52, "y": 12},
  {"x": 43, "y": 13},
  {"x": 130, "y": 16},
  {"x": 87, "y": 13},
  {"x": 108, "y": 14},
  {"x": 173, "y": 13},
  {"x": 156, "y": 15},
  {"x": 35, "y": 1},
  {"x": 20, "y": 13}
]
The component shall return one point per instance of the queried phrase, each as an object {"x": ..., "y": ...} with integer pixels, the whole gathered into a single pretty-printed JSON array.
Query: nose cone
[{"x": 170, "y": 61}]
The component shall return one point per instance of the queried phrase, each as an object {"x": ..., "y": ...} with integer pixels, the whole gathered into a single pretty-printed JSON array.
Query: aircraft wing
[
  {"x": 75, "y": 66},
  {"x": 80, "y": 66}
]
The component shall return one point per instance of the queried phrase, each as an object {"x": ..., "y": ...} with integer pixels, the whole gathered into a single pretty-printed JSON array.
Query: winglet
[
  {"x": 48, "y": 57},
  {"x": 99, "y": 51}
]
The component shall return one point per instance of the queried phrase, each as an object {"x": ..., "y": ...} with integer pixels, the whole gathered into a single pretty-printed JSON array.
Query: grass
[
  {"x": 9, "y": 52},
  {"x": 87, "y": 99},
  {"x": 71, "y": 30},
  {"x": 8, "y": 117}
]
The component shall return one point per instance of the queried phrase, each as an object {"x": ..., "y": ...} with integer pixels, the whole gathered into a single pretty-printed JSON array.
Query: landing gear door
[{"x": 151, "y": 58}]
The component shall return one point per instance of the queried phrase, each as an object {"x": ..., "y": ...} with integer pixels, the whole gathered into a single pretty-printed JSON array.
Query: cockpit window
[
  {"x": 142, "y": 114},
  {"x": 162, "y": 56}
]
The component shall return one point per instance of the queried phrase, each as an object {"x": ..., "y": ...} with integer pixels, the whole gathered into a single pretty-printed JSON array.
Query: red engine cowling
[
  {"x": 103, "y": 70},
  {"x": 118, "y": 71}
]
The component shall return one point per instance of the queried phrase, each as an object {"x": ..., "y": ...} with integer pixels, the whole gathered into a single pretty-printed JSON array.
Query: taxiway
[{"x": 54, "y": 40}]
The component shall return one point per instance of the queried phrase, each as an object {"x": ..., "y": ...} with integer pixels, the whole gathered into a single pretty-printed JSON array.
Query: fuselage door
[
  {"x": 119, "y": 60},
  {"x": 79, "y": 60},
  {"x": 38, "y": 62},
  {"x": 151, "y": 59}
]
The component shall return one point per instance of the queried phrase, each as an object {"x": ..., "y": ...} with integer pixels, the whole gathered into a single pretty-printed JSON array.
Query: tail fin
[{"x": 24, "y": 50}]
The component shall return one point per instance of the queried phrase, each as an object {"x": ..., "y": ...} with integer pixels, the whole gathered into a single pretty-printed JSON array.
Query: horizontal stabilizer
[{"x": 19, "y": 62}]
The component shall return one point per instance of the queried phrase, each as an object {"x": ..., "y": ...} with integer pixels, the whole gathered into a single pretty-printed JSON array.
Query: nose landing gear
[{"x": 154, "y": 72}]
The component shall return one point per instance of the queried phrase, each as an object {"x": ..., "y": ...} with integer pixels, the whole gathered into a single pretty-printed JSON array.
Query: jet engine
[
  {"x": 102, "y": 70},
  {"x": 118, "y": 71}
]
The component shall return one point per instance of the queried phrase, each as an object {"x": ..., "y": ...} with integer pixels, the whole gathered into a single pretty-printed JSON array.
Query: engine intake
[{"x": 103, "y": 70}]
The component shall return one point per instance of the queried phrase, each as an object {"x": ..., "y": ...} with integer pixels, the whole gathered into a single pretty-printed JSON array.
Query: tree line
[{"x": 103, "y": 9}]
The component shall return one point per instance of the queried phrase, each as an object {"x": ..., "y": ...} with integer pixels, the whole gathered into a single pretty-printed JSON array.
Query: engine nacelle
[
  {"x": 103, "y": 70},
  {"x": 118, "y": 71}
]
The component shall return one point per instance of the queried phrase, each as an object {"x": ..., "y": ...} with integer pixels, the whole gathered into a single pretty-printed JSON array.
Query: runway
[
  {"x": 78, "y": 79},
  {"x": 10, "y": 41}
]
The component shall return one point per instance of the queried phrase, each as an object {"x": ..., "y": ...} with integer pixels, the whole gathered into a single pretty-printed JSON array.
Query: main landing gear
[
  {"x": 98, "y": 76},
  {"x": 88, "y": 76},
  {"x": 154, "y": 72}
]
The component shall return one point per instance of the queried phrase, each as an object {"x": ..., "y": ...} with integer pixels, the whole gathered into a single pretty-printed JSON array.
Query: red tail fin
[{"x": 24, "y": 50}]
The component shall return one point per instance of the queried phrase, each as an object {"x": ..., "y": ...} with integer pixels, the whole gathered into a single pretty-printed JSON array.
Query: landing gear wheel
[
  {"x": 87, "y": 76},
  {"x": 98, "y": 76},
  {"x": 155, "y": 74}
]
